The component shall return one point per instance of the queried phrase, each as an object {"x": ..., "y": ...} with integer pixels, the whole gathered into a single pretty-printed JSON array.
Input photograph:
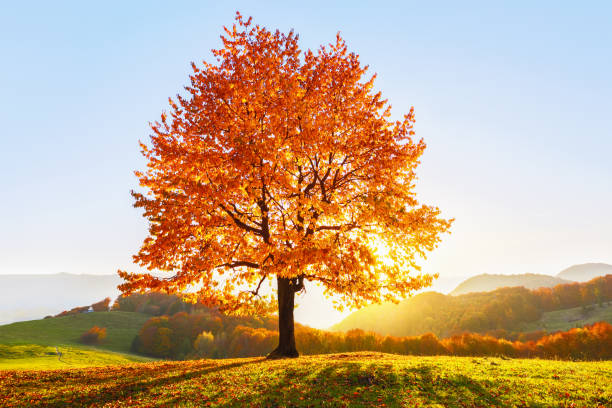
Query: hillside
[
  {"x": 32, "y": 344},
  {"x": 487, "y": 283},
  {"x": 443, "y": 315},
  {"x": 121, "y": 328},
  {"x": 340, "y": 380},
  {"x": 412, "y": 316},
  {"x": 36, "y": 357},
  {"x": 585, "y": 272},
  {"x": 565, "y": 319},
  {"x": 27, "y": 297},
  {"x": 506, "y": 309}
]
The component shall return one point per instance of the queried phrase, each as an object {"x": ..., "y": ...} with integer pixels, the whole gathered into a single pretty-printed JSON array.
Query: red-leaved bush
[
  {"x": 94, "y": 335},
  {"x": 101, "y": 306}
]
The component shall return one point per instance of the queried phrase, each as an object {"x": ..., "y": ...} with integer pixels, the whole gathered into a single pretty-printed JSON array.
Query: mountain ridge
[
  {"x": 585, "y": 272},
  {"x": 487, "y": 282},
  {"x": 32, "y": 296}
]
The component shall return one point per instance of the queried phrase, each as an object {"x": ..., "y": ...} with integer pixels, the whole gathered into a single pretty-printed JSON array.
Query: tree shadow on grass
[
  {"x": 354, "y": 384},
  {"x": 129, "y": 389},
  {"x": 343, "y": 383},
  {"x": 450, "y": 391},
  {"x": 456, "y": 390}
]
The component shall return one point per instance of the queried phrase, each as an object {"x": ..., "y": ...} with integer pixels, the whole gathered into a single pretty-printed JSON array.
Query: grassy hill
[
  {"x": 432, "y": 312},
  {"x": 37, "y": 357},
  {"x": 121, "y": 327},
  {"x": 561, "y": 320},
  {"x": 487, "y": 283},
  {"x": 508, "y": 308},
  {"x": 32, "y": 344},
  {"x": 340, "y": 380}
]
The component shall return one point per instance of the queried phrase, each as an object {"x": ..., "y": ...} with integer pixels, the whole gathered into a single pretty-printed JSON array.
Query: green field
[
  {"x": 340, "y": 380},
  {"x": 569, "y": 318},
  {"x": 34, "y": 356},
  {"x": 121, "y": 327},
  {"x": 32, "y": 344}
]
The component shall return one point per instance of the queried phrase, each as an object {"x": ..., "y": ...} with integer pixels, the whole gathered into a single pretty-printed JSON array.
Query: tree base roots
[{"x": 279, "y": 354}]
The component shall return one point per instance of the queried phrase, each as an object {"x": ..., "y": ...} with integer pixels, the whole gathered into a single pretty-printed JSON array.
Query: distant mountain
[
  {"x": 26, "y": 297},
  {"x": 585, "y": 272},
  {"x": 487, "y": 283}
]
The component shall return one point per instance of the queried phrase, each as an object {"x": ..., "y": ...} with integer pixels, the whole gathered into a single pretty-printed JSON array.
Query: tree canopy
[{"x": 282, "y": 164}]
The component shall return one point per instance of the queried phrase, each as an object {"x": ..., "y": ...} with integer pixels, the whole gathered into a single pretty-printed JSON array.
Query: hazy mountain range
[
  {"x": 585, "y": 272},
  {"x": 487, "y": 282},
  {"x": 480, "y": 303},
  {"x": 27, "y": 297},
  {"x": 575, "y": 273}
]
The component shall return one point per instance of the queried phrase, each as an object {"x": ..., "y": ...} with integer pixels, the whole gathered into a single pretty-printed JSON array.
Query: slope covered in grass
[
  {"x": 32, "y": 344},
  {"x": 565, "y": 319},
  {"x": 121, "y": 328},
  {"x": 340, "y": 380},
  {"x": 37, "y": 357}
]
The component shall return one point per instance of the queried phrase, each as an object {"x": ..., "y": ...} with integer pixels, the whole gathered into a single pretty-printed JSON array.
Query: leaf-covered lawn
[{"x": 340, "y": 380}]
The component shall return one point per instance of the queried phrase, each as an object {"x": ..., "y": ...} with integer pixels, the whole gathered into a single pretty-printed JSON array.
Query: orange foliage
[
  {"x": 101, "y": 306},
  {"x": 200, "y": 335},
  {"x": 94, "y": 335},
  {"x": 153, "y": 303},
  {"x": 282, "y": 163},
  {"x": 73, "y": 311}
]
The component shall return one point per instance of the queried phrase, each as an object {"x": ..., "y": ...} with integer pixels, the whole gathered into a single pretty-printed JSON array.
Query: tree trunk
[{"x": 286, "y": 333}]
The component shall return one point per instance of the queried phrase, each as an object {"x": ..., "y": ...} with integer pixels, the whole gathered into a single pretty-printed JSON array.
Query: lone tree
[{"x": 283, "y": 165}]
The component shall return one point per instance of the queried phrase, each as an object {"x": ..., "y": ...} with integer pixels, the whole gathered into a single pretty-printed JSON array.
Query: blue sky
[{"x": 513, "y": 99}]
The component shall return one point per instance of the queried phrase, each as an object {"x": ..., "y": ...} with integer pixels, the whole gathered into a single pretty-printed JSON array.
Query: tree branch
[
  {"x": 241, "y": 224},
  {"x": 347, "y": 227},
  {"x": 236, "y": 264},
  {"x": 256, "y": 291}
]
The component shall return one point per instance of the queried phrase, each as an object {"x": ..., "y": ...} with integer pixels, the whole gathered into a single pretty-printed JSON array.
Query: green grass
[
  {"x": 35, "y": 356},
  {"x": 121, "y": 328},
  {"x": 340, "y": 380},
  {"x": 569, "y": 318},
  {"x": 31, "y": 344}
]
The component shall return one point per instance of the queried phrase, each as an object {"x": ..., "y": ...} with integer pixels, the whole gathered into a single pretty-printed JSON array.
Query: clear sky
[{"x": 513, "y": 99}]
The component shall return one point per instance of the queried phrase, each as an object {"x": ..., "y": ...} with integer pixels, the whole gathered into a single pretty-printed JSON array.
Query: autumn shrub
[
  {"x": 101, "y": 306},
  {"x": 152, "y": 303},
  {"x": 174, "y": 336},
  {"x": 204, "y": 345},
  {"x": 589, "y": 342},
  {"x": 94, "y": 335},
  {"x": 252, "y": 342},
  {"x": 74, "y": 311}
]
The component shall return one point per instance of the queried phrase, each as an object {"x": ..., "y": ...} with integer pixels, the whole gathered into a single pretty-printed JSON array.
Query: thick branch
[
  {"x": 236, "y": 264},
  {"x": 346, "y": 227},
  {"x": 297, "y": 284},
  {"x": 241, "y": 224}
]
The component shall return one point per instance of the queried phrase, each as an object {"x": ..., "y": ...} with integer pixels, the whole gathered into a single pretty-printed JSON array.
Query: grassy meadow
[
  {"x": 565, "y": 319},
  {"x": 32, "y": 344},
  {"x": 34, "y": 356},
  {"x": 339, "y": 380}
]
